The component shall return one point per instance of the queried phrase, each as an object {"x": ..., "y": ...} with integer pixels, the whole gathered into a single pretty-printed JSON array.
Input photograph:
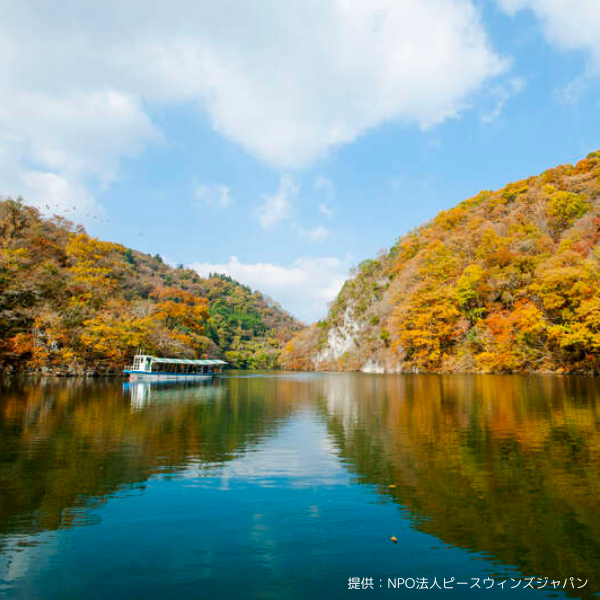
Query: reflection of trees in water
[
  {"x": 67, "y": 444},
  {"x": 142, "y": 393},
  {"x": 507, "y": 466}
]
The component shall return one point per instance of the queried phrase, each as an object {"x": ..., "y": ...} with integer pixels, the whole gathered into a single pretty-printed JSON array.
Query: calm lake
[{"x": 275, "y": 485}]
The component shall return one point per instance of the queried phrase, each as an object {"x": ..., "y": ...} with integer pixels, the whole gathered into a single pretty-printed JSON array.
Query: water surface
[{"x": 286, "y": 485}]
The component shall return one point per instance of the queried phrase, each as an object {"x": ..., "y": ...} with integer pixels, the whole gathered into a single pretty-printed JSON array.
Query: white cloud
[
  {"x": 568, "y": 25},
  {"x": 503, "y": 94},
  {"x": 288, "y": 82},
  {"x": 52, "y": 145},
  {"x": 572, "y": 91},
  {"x": 278, "y": 207},
  {"x": 212, "y": 194},
  {"x": 76, "y": 133},
  {"x": 53, "y": 194},
  {"x": 304, "y": 288},
  {"x": 326, "y": 210},
  {"x": 325, "y": 185},
  {"x": 364, "y": 64},
  {"x": 317, "y": 234}
]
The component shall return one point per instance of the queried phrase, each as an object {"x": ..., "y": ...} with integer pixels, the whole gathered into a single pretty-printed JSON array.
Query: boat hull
[{"x": 160, "y": 376}]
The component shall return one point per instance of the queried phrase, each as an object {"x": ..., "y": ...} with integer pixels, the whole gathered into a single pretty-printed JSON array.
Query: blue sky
[{"x": 286, "y": 142}]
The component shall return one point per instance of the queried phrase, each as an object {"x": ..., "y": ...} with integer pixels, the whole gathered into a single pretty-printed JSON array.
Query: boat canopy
[{"x": 187, "y": 361}]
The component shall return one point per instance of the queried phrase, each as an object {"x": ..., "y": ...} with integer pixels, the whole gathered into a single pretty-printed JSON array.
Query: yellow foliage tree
[
  {"x": 114, "y": 335},
  {"x": 182, "y": 313},
  {"x": 427, "y": 328},
  {"x": 95, "y": 268}
]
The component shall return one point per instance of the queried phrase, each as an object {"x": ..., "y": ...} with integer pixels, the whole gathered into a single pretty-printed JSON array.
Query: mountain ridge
[
  {"x": 506, "y": 281},
  {"x": 71, "y": 304}
]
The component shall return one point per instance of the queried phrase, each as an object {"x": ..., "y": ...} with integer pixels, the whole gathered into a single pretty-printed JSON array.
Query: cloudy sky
[{"x": 284, "y": 142}]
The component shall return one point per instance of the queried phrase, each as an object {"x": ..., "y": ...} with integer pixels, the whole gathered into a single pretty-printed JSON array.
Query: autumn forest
[
  {"x": 507, "y": 281},
  {"x": 73, "y": 304}
]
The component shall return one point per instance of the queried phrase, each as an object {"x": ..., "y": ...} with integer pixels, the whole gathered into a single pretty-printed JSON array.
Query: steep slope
[
  {"x": 71, "y": 303},
  {"x": 506, "y": 281}
]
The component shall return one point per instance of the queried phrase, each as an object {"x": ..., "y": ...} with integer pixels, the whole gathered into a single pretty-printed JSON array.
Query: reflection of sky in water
[
  {"x": 293, "y": 496},
  {"x": 285, "y": 520},
  {"x": 22, "y": 553},
  {"x": 301, "y": 454}
]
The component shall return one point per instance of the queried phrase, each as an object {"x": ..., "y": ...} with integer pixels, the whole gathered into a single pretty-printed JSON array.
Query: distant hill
[
  {"x": 71, "y": 303},
  {"x": 507, "y": 281}
]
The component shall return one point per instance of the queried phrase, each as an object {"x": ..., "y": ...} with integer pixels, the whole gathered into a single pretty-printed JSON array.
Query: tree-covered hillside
[
  {"x": 506, "y": 281},
  {"x": 248, "y": 327},
  {"x": 72, "y": 303}
]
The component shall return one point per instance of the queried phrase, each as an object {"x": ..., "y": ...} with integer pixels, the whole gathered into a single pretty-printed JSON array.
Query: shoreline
[{"x": 91, "y": 374}]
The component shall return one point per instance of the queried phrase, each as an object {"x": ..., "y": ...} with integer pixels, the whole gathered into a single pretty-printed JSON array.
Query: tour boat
[{"x": 152, "y": 367}]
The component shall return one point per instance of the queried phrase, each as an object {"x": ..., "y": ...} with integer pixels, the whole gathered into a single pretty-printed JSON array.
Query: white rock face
[
  {"x": 340, "y": 339},
  {"x": 372, "y": 366}
]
